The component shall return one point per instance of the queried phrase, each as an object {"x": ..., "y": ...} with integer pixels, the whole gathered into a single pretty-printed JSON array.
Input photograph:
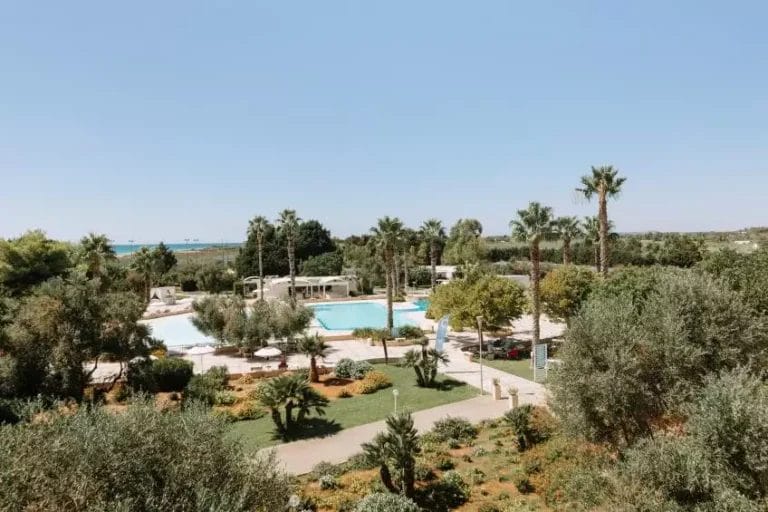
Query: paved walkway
[{"x": 300, "y": 457}]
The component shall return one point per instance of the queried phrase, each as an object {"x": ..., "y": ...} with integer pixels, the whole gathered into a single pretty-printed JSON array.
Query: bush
[
  {"x": 349, "y": 369},
  {"x": 522, "y": 482},
  {"x": 140, "y": 377},
  {"x": 363, "y": 332},
  {"x": 345, "y": 393},
  {"x": 372, "y": 382},
  {"x": 531, "y": 425},
  {"x": 423, "y": 473},
  {"x": 95, "y": 460},
  {"x": 386, "y": 502},
  {"x": 445, "y": 494},
  {"x": 219, "y": 375},
  {"x": 224, "y": 398},
  {"x": 327, "y": 482},
  {"x": 171, "y": 374},
  {"x": 410, "y": 332},
  {"x": 325, "y": 468},
  {"x": 453, "y": 428},
  {"x": 444, "y": 464}
]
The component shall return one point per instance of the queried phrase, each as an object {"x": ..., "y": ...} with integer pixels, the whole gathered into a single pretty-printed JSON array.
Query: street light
[
  {"x": 394, "y": 394},
  {"x": 480, "y": 335}
]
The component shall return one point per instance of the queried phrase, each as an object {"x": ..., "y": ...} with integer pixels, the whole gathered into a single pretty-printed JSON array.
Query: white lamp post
[{"x": 394, "y": 394}]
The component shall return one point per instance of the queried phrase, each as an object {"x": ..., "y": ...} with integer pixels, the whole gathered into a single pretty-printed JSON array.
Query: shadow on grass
[
  {"x": 311, "y": 427},
  {"x": 448, "y": 384}
]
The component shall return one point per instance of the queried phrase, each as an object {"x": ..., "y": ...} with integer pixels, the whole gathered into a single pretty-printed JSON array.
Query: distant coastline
[{"x": 126, "y": 249}]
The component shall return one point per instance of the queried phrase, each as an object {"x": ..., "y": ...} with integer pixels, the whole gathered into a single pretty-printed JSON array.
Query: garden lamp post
[
  {"x": 394, "y": 394},
  {"x": 480, "y": 334}
]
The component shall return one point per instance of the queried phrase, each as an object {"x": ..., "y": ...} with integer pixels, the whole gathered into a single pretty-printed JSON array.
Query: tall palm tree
[
  {"x": 313, "y": 346},
  {"x": 604, "y": 183},
  {"x": 567, "y": 229},
  {"x": 288, "y": 223},
  {"x": 97, "y": 252},
  {"x": 387, "y": 235},
  {"x": 434, "y": 234},
  {"x": 533, "y": 225},
  {"x": 592, "y": 233},
  {"x": 258, "y": 227},
  {"x": 144, "y": 264}
]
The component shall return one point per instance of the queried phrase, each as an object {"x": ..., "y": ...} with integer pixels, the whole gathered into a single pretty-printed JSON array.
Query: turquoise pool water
[
  {"x": 177, "y": 330},
  {"x": 346, "y": 316}
]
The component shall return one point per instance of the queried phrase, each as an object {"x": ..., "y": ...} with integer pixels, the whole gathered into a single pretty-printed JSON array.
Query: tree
[
  {"x": 564, "y": 290},
  {"x": 498, "y": 300},
  {"x": 313, "y": 347},
  {"x": 211, "y": 316},
  {"x": 424, "y": 363},
  {"x": 394, "y": 451},
  {"x": 592, "y": 232},
  {"x": 465, "y": 244},
  {"x": 31, "y": 259},
  {"x": 143, "y": 263},
  {"x": 681, "y": 251},
  {"x": 96, "y": 253},
  {"x": 744, "y": 273},
  {"x": 604, "y": 183},
  {"x": 258, "y": 226},
  {"x": 93, "y": 459},
  {"x": 163, "y": 259},
  {"x": 312, "y": 240},
  {"x": 326, "y": 264},
  {"x": 433, "y": 233},
  {"x": 567, "y": 228},
  {"x": 386, "y": 235},
  {"x": 533, "y": 225},
  {"x": 288, "y": 393},
  {"x": 288, "y": 224}
]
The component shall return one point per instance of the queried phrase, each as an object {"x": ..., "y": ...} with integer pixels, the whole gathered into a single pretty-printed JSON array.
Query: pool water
[
  {"x": 346, "y": 316},
  {"x": 178, "y": 330}
]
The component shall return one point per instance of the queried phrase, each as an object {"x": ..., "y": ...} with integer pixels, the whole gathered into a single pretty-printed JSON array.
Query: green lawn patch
[
  {"x": 359, "y": 410},
  {"x": 520, "y": 368}
]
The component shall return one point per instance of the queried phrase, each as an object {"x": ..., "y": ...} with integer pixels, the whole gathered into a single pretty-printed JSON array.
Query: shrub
[
  {"x": 201, "y": 389},
  {"x": 447, "y": 493},
  {"x": 453, "y": 428},
  {"x": 363, "y": 332},
  {"x": 531, "y": 425},
  {"x": 140, "y": 377},
  {"x": 171, "y": 374},
  {"x": 386, "y": 502},
  {"x": 345, "y": 368},
  {"x": 361, "y": 368},
  {"x": 522, "y": 483},
  {"x": 423, "y": 472},
  {"x": 488, "y": 507},
  {"x": 247, "y": 410},
  {"x": 95, "y": 460},
  {"x": 219, "y": 375},
  {"x": 410, "y": 332},
  {"x": 372, "y": 382},
  {"x": 326, "y": 468},
  {"x": 224, "y": 398},
  {"x": 345, "y": 393},
  {"x": 327, "y": 482},
  {"x": 444, "y": 464}
]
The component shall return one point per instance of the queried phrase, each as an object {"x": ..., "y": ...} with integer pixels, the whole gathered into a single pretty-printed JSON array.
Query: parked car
[{"x": 503, "y": 348}]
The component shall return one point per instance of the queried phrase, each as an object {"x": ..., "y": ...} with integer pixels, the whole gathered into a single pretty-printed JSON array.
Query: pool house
[{"x": 307, "y": 287}]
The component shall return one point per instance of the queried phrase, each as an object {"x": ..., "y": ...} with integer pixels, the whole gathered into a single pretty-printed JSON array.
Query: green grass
[
  {"x": 359, "y": 410},
  {"x": 520, "y": 368}
]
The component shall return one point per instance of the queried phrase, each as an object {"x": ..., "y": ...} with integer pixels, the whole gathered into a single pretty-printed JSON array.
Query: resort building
[{"x": 307, "y": 287}]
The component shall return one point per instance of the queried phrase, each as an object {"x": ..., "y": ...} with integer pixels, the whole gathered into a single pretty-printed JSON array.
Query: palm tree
[
  {"x": 258, "y": 227},
  {"x": 387, "y": 235},
  {"x": 394, "y": 451},
  {"x": 424, "y": 362},
  {"x": 288, "y": 223},
  {"x": 603, "y": 183},
  {"x": 289, "y": 393},
  {"x": 592, "y": 232},
  {"x": 97, "y": 252},
  {"x": 434, "y": 234},
  {"x": 313, "y": 346},
  {"x": 567, "y": 229},
  {"x": 533, "y": 225},
  {"x": 144, "y": 264}
]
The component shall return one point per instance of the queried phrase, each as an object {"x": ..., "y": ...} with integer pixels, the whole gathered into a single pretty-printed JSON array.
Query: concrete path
[{"x": 300, "y": 457}]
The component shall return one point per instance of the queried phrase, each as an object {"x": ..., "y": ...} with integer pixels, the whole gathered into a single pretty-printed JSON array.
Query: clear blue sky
[{"x": 175, "y": 119}]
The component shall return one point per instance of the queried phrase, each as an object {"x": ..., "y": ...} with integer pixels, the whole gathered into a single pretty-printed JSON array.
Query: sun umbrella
[
  {"x": 267, "y": 352},
  {"x": 201, "y": 351}
]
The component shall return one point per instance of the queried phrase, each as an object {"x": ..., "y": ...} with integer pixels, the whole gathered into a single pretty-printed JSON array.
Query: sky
[{"x": 182, "y": 119}]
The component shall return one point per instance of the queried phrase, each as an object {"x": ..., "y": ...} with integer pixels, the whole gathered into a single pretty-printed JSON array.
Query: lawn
[
  {"x": 349, "y": 412},
  {"x": 520, "y": 368}
]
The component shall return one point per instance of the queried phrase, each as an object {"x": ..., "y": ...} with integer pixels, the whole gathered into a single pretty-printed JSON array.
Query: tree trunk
[
  {"x": 278, "y": 420},
  {"x": 433, "y": 261},
  {"x": 567, "y": 251},
  {"x": 603, "y": 220},
  {"x": 289, "y": 417},
  {"x": 405, "y": 272},
  {"x": 390, "y": 316},
  {"x": 313, "y": 376},
  {"x": 596, "y": 251},
  {"x": 292, "y": 271},
  {"x": 261, "y": 269},
  {"x": 536, "y": 300},
  {"x": 409, "y": 480},
  {"x": 396, "y": 273},
  {"x": 386, "y": 479}
]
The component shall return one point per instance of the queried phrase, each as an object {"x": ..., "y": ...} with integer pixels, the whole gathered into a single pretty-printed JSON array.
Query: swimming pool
[
  {"x": 177, "y": 330},
  {"x": 346, "y": 316}
]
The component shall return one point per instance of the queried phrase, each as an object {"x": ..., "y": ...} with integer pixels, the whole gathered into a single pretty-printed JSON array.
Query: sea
[{"x": 124, "y": 249}]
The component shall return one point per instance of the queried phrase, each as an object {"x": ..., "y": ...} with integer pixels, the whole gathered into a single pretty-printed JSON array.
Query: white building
[{"x": 307, "y": 287}]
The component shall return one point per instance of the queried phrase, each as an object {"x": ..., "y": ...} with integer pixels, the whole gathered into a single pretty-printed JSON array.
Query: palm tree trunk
[
  {"x": 396, "y": 273},
  {"x": 292, "y": 270},
  {"x": 536, "y": 306},
  {"x": 603, "y": 219},
  {"x": 390, "y": 316},
  {"x": 386, "y": 479},
  {"x": 261, "y": 270},
  {"x": 433, "y": 261},
  {"x": 566, "y": 251},
  {"x": 313, "y": 376},
  {"x": 405, "y": 272},
  {"x": 596, "y": 251}
]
